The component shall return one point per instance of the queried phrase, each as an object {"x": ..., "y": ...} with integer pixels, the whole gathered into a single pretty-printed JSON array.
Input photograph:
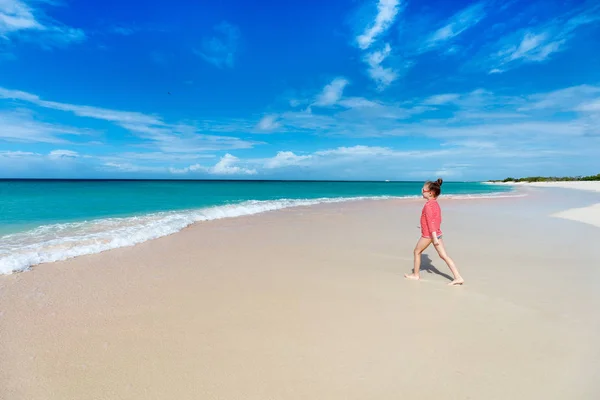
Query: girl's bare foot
[
  {"x": 412, "y": 277},
  {"x": 457, "y": 282}
]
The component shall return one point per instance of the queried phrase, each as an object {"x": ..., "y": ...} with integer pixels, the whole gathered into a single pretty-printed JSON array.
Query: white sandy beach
[
  {"x": 310, "y": 303},
  {"x": 588, "y": 214},
  {"x": 592, "y": 186}
]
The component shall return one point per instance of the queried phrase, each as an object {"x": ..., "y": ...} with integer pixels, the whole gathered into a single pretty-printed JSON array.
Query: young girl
[{"x": 431, "y": 219}]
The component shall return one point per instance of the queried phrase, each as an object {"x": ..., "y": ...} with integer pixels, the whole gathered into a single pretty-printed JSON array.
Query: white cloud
[
  {"x": 157, "y": 156},
  {"x": 382, "y": 76},
  {"x": 441, "y": 99},
  {"x": 121, "y": 117},
  {"x": 533, "y": 47},
  {"x": 473, "y": 114},
  {"x": 355, "y": 151},
  {"x": 541, "y": 42},
  {"x": 191, "y": 168},
  {"x": 574, "y": 98},
  {"x": 387, "y": 10},
  {"x": 289, "y": 161},
  {"x": 285, "y": 159},
  {"x": 589, "y": 107},
  {"x": 456, "y": 25},
  {"x": 220, "y": 49},
  {"x": 128, "y": 167},
  {"x": 18, "y": 154},
  {"x": 358, "y": 102},
  {"x": 268, "y": 123},
  {"x": 386, "y": 14},
  {"x": 351, "y": 116},
  {"x": 449, "y": 171},
  {"x": 151, "y": 129},
  {"x": 352, "y": 159},
  {"x": 17, "y": 16},
  {"x": 452, "y": 160},
  {"x": 227, "y": 166},
  {"x": 62, "y": 154},
  {"x": 331, "y": 93},
  {"x": 21, "y": 126}
]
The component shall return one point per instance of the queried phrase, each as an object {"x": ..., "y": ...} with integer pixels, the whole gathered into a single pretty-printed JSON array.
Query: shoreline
[{"x": 181, "y": 220}]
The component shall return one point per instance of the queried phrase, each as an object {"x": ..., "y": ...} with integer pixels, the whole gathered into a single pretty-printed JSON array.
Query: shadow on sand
[{"x": 427, "y": 266}]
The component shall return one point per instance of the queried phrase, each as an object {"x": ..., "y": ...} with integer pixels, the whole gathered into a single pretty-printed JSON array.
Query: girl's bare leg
[
  {"x": 422, "y": 244},
  {"x": 458, "y": 280}
]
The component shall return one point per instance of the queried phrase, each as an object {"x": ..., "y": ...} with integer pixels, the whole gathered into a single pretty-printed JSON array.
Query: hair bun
[{"x": 440, "y": 181}]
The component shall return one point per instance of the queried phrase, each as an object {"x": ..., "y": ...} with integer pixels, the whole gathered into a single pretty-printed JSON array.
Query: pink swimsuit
[{"x": 431, "y": 219}]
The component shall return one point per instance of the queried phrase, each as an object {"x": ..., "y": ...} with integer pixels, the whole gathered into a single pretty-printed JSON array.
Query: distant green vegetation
[{"x": 551, "y": 179}]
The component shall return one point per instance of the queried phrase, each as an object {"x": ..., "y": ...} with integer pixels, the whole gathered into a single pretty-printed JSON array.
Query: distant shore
[{"x": 593, "y": 186}]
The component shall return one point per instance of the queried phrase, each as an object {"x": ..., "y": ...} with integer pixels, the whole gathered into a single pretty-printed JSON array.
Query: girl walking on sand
[{"x": 431, "y": 220}]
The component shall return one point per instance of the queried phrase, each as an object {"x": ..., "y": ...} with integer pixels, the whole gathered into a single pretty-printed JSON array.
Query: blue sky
[{"x": 376, "y": 89}]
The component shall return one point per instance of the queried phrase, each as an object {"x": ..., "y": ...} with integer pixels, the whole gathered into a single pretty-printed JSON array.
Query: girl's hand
[{"x": 436, "y": 243}]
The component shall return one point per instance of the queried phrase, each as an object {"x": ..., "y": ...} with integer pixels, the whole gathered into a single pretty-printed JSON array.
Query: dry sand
[
  {"x": 593, "y": 186},
  {"x": 589, "y": 214},
  {"x": 310, "y": 303}
]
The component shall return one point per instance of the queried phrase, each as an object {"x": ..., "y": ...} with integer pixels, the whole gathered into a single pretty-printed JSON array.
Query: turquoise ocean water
[{"x": 44, "y": 221}]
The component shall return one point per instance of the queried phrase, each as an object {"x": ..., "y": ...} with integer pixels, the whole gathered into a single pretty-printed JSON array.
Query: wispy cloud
[
  {"x": 382, "y": 76},
  {"x": 441, "y": 99},
  {"x": 55, "y": 164},
  {"x": 359, "y": 160},
  {"x": 18, "y": 17},
  {"x": 285, "y": 159},
  {"x": 331, "y": 93},
  {"x": 386, "y": 14},
  {"x": 533, "y": 47},
  {"x": 185, "y": 170},
  {"x": 327, "y": 158},
  {"x": 591, "y": 106},
  {"x": 152, "y": 129},
  {"x": 457, "y": 24},
  {"x": 360, "y": 150},
  {"x": 387, "y": 10},
  {"x": 573, "y": 98},
  {"x": 461, "y": 117},
  {"x": 20, "y": 126},
  {"x": 538, "y": 44},
  {"x": 362, "y": 161},
  {"x": 18, "y": 154},
  {"x": 121, "y": 117},
  {"x": 155, "y": 157},
  {"x": 133, "y": 168},
  {"x": 220, "y": 49},
  {"x": 268, "y": 123},
  {"x": 63, "y": 154},
  {"x": 227, "y": 165}
]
